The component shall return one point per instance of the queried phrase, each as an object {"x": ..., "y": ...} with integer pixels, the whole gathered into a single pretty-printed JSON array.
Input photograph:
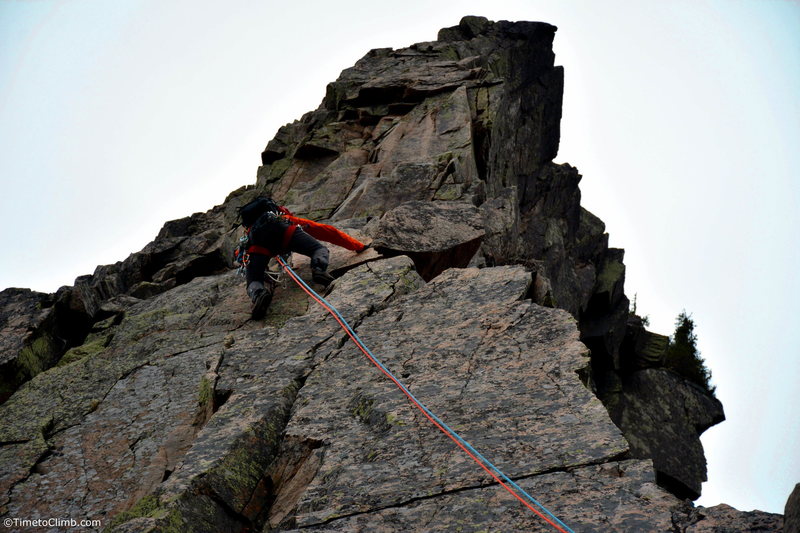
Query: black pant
[{"x": 302, "y": 243}]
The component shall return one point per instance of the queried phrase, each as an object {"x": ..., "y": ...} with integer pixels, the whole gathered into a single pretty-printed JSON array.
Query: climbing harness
[
  {"x": 518, "y": 492},
  {"x": 241, "y": 256}
]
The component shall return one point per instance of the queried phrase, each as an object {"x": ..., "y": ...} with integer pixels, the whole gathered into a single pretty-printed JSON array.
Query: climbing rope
[{"x": 484, "y": 463}]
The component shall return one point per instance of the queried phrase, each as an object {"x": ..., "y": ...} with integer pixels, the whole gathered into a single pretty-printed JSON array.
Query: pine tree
[
  {"x": 683, "y": 356},
  {"x": 632, "y": 312}
]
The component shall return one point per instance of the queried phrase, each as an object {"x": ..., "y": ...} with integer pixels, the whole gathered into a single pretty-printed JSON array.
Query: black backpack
[
  {"x": 252, "y": 211},
  {"x": 266, "y": 226}
]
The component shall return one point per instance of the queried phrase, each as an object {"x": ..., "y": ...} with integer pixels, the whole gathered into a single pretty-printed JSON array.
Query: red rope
[{"x": 414, "y": 401}]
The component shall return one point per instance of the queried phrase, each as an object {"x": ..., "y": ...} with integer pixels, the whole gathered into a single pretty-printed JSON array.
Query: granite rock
[
  {"x": 26, "y": 345},
  {"x": 164, "y": 407},
  {"x": 436, "y": 235},
  {"x": 655, "y": 403},
  {"x": 725, "y": 519}
]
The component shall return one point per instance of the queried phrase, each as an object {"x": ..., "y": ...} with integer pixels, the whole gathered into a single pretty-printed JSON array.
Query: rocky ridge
[{"x": 144, "y": 396}]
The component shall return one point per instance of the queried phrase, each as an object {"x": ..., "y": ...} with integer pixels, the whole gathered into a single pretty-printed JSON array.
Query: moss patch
[
  {"x": 87, "y": 349},
  {"x": 449, "y": 52},
  {"x": 161, "y": 319},
  {"x": 206, "y": 393},
  {"x": 147, "y": 506},
  {"x": 274, "y": 171},
  {"x": 612, "y": 272},
  {"x": 361, "y": 407},
  {"x": 449, "y": 192},
  {"x": 394, "y": 420},
  {"x": 37, "y": 357}
]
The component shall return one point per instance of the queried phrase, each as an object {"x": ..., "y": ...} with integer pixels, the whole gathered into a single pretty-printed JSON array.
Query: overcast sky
[{"x": 682, "y": 116}]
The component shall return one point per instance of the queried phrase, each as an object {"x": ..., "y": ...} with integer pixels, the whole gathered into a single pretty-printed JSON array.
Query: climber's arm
[{"x": 327, "y": 233}]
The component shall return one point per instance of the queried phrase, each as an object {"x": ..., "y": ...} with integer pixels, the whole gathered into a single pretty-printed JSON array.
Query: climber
[{"x": 270, "y": 230}]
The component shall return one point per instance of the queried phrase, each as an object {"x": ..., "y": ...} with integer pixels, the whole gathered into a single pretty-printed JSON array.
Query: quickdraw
[{"x": 240, "y": 255}]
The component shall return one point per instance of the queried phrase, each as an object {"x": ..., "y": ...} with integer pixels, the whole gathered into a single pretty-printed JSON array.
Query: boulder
[{"x": 435, "y": 235}]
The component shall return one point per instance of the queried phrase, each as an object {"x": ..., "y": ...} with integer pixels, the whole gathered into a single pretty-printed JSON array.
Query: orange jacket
[{"x": 325, "y": 232}]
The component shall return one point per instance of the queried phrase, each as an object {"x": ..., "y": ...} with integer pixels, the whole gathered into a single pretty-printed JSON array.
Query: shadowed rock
[
  {"x": 655, "y": 403},
  {"x": 27, "y": 346},
  {"x": 641, "y": 348},
  {"x": 35, "y": 331}
]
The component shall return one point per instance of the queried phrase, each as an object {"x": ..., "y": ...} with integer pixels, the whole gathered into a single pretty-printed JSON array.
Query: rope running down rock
[{"x": 484, "y": 463}]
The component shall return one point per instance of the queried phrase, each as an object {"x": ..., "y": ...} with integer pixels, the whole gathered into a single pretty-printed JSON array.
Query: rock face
[
  {"x": 35, "y": 331},
  {"x": 23, "y": 352},
  {"x": 655, "y": 404},
  {"x": 158, "y": 405},
  {"x": 725, "y": 518},
  {"x": 792, "y": 511}
]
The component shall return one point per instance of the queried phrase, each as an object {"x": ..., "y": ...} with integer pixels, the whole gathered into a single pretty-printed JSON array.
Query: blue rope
[{"x": 405, "y": 389}]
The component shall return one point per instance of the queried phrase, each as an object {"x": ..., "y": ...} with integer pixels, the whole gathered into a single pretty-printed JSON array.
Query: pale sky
[{"x": 682, "y": 116}]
